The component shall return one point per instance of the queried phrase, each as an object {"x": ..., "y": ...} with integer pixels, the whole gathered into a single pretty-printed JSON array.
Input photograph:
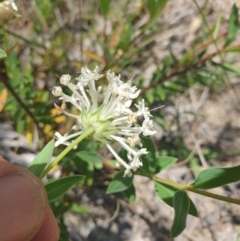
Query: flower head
[{"x": 108, "y": 112}]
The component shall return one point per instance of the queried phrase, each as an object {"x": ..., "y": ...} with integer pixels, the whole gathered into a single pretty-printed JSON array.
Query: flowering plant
[
  {"x": 104, "y": 115},
  {"x": 107, "y": 112}
]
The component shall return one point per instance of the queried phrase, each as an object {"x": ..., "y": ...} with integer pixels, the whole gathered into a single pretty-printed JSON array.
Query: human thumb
[{"x": 23, "y": 203}]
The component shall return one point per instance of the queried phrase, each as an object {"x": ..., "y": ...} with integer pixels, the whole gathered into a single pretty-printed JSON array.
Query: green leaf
[
  {"x": 232, "y": 25},
  {"x": 232, "y": 49},
  {"x": 163, "y": 162},
  {"x": 161, "y": 93},
  {"x": 41, "y": 160},
  {"x": 130, "y": 194},
  {"x": 2, "y": 54},
  {"x": 91, "y": 157},
  {"x": 126, "y": 35},
  {"x": 231, "y": 68},
  {"x": 86, "y": 168},
  {"x": 150, "y": 95},
  {"x": 166, "y": 193},
  {"x": 79, "y": 209},
  {"x": 155, "y": 7},
  {"x": 104, "y": 6},
  {"x": 151, "y": 5},
  {"x": 217, "y": 27},
  {"x": 216, "y": 177},
  {"x": 181, "y": 206},
  {"x": 119, "y": 183},
  {"x": 148, "y": 160},
  {"x": 57, "y": 188},
  {"x": 159, "y": 6}
]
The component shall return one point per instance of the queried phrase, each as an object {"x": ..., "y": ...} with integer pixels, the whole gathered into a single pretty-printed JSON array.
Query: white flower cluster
[{"x": 108, "y": 112}]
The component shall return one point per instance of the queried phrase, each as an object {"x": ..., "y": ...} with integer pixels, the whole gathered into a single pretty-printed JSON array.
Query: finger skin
[
  {"x": 49, "y": 230},
  {"x": 23, "y": 205}
]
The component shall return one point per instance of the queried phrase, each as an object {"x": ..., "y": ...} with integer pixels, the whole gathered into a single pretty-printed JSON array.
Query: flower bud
[
  {"x": 65, "y": 79},
  {"x": 57, "y": 91}
]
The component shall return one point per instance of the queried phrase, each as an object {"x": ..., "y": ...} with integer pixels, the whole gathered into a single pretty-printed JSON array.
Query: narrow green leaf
[
  {"x": 148, "y": 160},
  {"x": 91, "y": 157},
  {"x": 79, "y": 209},
  {"x": 41, "y": 160},
  {"x": 2, "y": 54},
  {"x": 155, "y": 7},
  {"x": 181, "y": 206},
  {"x": 232, "y": 49},
  {"x": 126, "y": 35},
  {"x": 232, "y": 25},
  {"x": 119, "y": 183},
  {"x": 216, "y": 27},
  {"x": 216, "y": 177},
  {"x": 151, "y": 5},
  {"x": 163, "y": 162},
  {"x": 231, "y": 68},
  {"x": 161, "y": 93},
  {"x": 130, "y": 194},
  {"x": 150, "y": 95},
  {"x": 166, "y": 193},
  {"x": 57, "y": 188},
  {"x": 104, "y": 6}
]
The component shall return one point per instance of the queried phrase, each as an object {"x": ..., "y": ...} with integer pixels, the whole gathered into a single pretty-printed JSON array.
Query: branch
[
  {"x": 177, "y": 72},
  {"x": 4, "y": 80}
]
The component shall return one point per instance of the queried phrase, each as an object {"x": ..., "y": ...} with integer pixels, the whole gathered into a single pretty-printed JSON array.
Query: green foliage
[
  {"x": 79, "y": 209},
  {"x": 42, "y": 159},
  {"x": 163, "y": 162},
  {"x": 148, "y": 160},
  {"x": 167, "y": 192},
  {"x": 181, "y": 206},
  {"x": 119, "y": 183},
  {"x": 216, "y": 177},
  {"x": 126, "y": 36},
  {"x": 104, "y": 6},
  {"x": 57, "y": 188},
  {"x": 155, "y": 7},
  {"x": 130, "y": 193},
  {"x": 233, "y": 25},
  {"x": 85, "y": 162},
  {"x": 2, "y": 54},
  {"x": 90, "y": 157}
]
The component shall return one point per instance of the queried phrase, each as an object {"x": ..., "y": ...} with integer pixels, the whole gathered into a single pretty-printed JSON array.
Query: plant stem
[
  {"x": 213, "y": 195},
  {"x": 4, "y": 80},
  {"x": 169, "y": 182},
  {"x": 25, "y": 40},
  {"x": 196, "y": 190},
  {"x": 66, "y": 150}
]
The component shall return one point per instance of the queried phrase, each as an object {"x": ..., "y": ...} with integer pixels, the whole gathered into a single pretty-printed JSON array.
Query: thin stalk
[
  {"x": 169, "y": 182},
  {"x": 212, "y": 195},
  {"x": 25, "y": 40},
  {"x": 21, "y": 103},
  {"x": 195, "y": 190},
  {"x": 65, "y": 151}
]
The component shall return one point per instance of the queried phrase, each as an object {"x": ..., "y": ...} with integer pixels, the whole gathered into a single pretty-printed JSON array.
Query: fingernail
[{"x": 22, "y": 206}]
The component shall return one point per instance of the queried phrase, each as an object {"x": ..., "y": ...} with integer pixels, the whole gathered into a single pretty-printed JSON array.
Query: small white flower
[
  {"x": 108, "y": 112},
  {"x": 57, "y": 91},
  {"x": 65, "y": 79}
]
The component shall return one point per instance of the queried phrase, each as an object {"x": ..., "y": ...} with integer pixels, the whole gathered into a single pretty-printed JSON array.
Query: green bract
[{"x": 94, "y": 119}]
